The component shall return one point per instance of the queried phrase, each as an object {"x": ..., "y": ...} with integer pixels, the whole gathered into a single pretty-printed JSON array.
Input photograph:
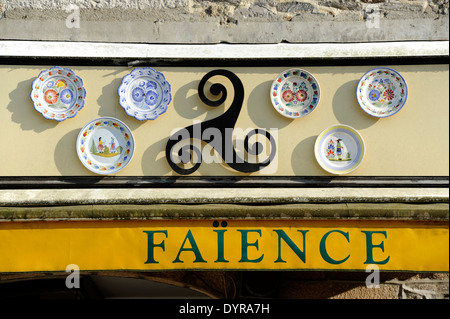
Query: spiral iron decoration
[{"x": 178, "y": 157}]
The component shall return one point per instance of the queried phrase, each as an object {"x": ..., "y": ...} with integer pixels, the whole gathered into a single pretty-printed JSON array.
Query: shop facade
[{"x": 265, "y": 172}]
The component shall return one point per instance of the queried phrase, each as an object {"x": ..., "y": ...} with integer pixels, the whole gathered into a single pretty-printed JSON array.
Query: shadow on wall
[
  {"x": 108, "y": 101},
  {"x": 306, "y": 146},
  {"x": 188, "y": 104},
  {"x": 23, "y": 111},
  {"x": 351, "y": 113},
  {"x": 66, "y": 158},
  {"x": 264, "y": 114},
  {"x": 154, "y": 159}
]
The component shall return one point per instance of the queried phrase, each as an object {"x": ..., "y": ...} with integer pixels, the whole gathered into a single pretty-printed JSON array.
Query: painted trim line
[{"x": 223, "y": 51}]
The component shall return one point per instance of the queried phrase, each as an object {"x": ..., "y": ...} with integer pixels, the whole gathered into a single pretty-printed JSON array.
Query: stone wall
[
  {"x": 229, "y": 21},
  {"x": 312, "y": 285}
]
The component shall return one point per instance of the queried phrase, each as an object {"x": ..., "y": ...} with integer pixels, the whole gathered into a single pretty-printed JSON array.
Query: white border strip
[{"x": 223, "y": 51}]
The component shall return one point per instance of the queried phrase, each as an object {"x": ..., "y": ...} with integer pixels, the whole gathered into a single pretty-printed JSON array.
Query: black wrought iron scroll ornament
[{"x": 179, "y": 156}]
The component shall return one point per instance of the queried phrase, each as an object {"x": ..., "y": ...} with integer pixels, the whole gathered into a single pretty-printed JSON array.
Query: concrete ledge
[
  {"x": 393, "y": 212},
  {"x": 196, "y": 32},
  {"x": 266, "y": 196}
]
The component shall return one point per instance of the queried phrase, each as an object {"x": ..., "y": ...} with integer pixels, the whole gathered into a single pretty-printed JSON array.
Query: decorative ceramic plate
[
  {"x": 58, "y": 93},
  {"x": 144, "y": 94},
  {"x": 339, "y": 149},
  {"x": 381, "y": 92},
  {"x": 295, "y": 93},
  {"x": 105, "y": 145}
]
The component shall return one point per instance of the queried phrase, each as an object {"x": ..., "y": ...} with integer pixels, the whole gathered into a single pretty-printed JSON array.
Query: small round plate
[
  {"x": 295, "y": 93},
  {"x": 381, "y": 92},
  {"x": 144, "y": 94},
  {"x": 339, "y": 149},
  {"x": 58, "y": 93},
  {"x": 105, "y": 145}
]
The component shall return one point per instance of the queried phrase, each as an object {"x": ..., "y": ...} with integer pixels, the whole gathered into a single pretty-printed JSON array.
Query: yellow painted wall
[{"x": 413, "y": 142}]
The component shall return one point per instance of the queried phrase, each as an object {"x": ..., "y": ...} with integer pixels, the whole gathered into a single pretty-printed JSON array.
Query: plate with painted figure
[
  {"x": 58, "y": 93},
  {"x": 382, "y": 92},
  {"x": 145, "y": 94},
  {"x": 339, "y": 149},
  {"x": 105, "y": 145},
  {"x": 295, "y": 93}
]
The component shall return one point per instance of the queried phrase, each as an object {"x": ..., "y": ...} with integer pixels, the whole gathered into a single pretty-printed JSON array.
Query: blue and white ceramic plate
[
  {"x": 295, "y": 93},
  {"x": 58, "y": 93},
  {"x": 381, "y": 92},
  {"x": 105, "y": 145},
  {"x": 144, "y": 94},
  {"x": 339, "y": 149}
]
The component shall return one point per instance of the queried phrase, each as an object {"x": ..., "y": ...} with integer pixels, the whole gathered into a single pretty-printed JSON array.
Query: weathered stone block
[
  {"x": 341, "y": 4},
  {"x": 295, "y": 6}
]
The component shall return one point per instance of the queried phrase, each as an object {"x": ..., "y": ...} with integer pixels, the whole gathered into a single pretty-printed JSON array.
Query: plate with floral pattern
[
  {"x": 339, "y": 149},
  {"x": 58, "y": 93},
  {"x": 381, "y": 92},
  {"x": 105, "y": 145},
  {"x": 295, "y": 93},
  {"x": 145, "y": 94}
]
